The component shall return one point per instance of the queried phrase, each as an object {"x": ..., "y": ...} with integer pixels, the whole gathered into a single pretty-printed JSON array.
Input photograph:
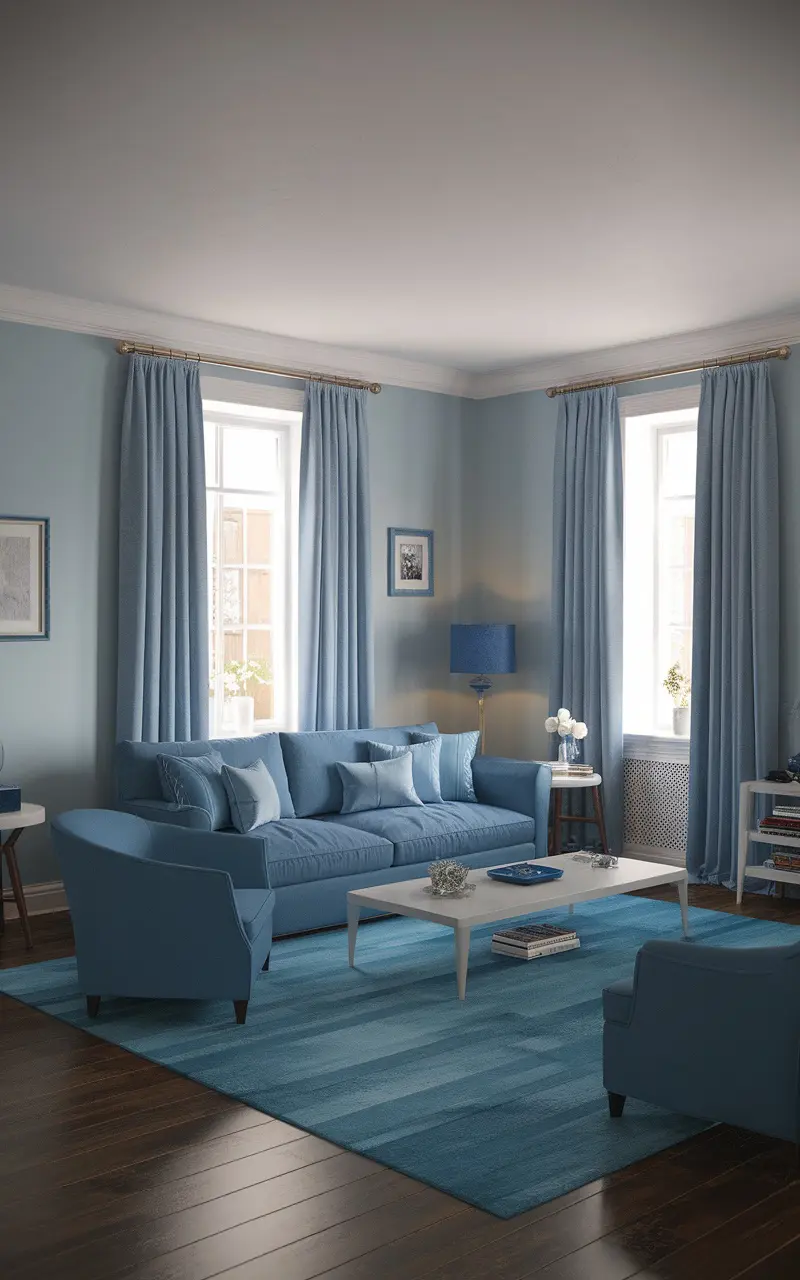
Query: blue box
[{"x": 10, "y": 798}]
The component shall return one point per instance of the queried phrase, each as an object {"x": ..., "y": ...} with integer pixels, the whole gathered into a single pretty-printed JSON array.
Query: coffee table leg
[
  {"x": 353, "y": 912},
  {"x": 462, "y": 932},
  {"x": 683, "y": 898}
]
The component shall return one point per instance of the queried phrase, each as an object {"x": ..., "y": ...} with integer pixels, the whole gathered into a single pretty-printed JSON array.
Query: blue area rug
[{"x": 498, "y": 1100}]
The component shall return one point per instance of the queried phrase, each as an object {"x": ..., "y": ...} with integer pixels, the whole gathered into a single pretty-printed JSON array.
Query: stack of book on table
[
  {"x": 530, "y": 941},
  {"x": 783, "y": 821},
  {"x": 572, "y": 770}
]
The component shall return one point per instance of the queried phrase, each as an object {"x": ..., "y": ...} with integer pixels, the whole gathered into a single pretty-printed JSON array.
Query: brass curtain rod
[
  {"x": 170, "y": 353},
  {"x": 771, "y": 353}
]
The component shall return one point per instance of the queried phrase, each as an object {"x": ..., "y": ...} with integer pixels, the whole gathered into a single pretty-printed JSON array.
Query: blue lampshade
[{"x": 484, "y": 648}]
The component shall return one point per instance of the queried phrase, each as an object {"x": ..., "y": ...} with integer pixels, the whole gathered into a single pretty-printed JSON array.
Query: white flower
[
  {"x": 565, "y": 728},
  {"x": 580, "y": 730},
  {"x": 551, "y": 724},
  {"x": 563, "y": 715}
]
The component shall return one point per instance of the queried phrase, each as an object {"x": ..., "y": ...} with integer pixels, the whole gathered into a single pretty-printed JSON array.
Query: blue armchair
[
  {"x": 712, "y": 1032},
  {"x": 164, "y": 911}
]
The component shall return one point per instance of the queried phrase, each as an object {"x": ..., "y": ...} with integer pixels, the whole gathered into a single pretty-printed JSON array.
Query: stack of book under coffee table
[{"x": 529, "y": 941}]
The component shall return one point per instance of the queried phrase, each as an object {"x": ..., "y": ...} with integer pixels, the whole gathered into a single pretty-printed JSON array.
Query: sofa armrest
[
  {"x": 179, "y": 815},
  {"x": 521, "y": 785},
  {"x": 244, "y": 858}
]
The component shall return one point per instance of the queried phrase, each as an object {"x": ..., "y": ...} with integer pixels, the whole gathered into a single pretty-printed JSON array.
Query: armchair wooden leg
[
  {"x": 616, "y": 1104},
  {"x": 265, "y": 965},
  {"x": 93, "y": 1006},
  {"x": 240, "y": 1008}
]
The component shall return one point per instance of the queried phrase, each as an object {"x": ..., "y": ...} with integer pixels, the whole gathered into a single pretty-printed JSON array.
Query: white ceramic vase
[
  {"x": 242, "y": 714},
  {"x": 680, "y": 721}
]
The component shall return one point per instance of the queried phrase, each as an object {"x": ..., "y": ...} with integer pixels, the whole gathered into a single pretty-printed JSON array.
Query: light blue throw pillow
[
  {"x": 424, "y": 765},
  {"x": 455, "y": 763},
  {"x": 384, "y": 784},
  {"x": 196, "y": 781},
  {"x": 252, "y": 795}
]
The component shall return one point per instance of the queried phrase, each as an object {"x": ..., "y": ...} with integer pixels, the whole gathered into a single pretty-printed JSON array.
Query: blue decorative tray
[{"x": 525, "y": 873}]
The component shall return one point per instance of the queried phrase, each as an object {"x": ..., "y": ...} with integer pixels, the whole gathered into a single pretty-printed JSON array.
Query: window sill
[{"x": 655, "y": 746}]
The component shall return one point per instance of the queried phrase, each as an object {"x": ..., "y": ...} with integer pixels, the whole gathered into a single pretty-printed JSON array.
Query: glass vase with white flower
[
  {"x": 570, "y": 732},
  {"x": 236, "y": 681}
]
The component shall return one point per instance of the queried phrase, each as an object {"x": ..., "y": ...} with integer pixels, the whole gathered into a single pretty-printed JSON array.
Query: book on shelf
[
  {"x": 786, "y": 811},
  {"x": 785, "y": 861},
  {"x": 572, "y": 770},
  {"x": 523, "y": 953}
]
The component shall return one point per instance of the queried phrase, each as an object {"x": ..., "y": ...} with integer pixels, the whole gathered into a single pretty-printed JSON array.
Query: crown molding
[
  {"x": 684, "y": 348},
  {"x": 76, "y": 315}
]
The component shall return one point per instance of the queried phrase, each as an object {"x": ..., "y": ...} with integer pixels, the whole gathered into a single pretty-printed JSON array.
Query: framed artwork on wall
[
  {"x": 24, "y": 578},
  {"x": 410, "y": 562}
]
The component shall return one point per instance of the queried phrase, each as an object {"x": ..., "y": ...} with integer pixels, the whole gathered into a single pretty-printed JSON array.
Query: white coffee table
[{"x": 493, "y": 901}]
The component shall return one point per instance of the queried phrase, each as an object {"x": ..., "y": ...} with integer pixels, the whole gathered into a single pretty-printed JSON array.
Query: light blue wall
[
  {"x": 508, "y": 511},
  {"x": 60, "y": 409},
  {"x": 60, "y": 397}
]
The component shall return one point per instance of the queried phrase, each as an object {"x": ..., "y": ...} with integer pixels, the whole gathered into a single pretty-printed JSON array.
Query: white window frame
[
  {"x": 278, "y": 410},
  {"x": 658, "y": 744}
]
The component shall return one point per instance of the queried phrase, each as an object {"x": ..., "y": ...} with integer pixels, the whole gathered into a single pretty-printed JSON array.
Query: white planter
[
  {"x": 242, "y": 711},
  {"x": 680, "y": 721}
]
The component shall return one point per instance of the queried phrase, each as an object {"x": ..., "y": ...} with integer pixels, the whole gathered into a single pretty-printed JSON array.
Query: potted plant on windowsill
[
  {"x": 237, "y": 679},
  {"x": 679, "y": 687}
]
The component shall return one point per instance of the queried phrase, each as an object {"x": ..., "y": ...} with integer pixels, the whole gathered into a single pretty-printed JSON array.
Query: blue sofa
[
  {"x": 712, "y": 1032},
  {"x": 315, "y": 854}
]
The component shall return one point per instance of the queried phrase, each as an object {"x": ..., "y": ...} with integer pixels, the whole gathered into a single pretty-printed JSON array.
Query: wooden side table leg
[
  {"x": 600, "y": 817},
  {"x": 16, "y": 885},
  {"x": 557, "y": 806}
]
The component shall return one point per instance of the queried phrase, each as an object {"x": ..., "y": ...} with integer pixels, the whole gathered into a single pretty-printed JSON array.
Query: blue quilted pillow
[{"x": 197, "y": 781}]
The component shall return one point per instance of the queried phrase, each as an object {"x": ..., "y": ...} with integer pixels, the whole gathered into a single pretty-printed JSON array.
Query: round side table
[
  {"x": 30, "y": 815},
  {"x": 559, "y": 785}
]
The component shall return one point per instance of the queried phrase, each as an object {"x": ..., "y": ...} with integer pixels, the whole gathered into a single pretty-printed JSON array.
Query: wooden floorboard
[{"x": 114, "y": 1167}]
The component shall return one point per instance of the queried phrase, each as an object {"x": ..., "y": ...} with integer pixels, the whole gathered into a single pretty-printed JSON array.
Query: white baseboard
[
  {"x": 648, "y": 853},
  {"x": 40, "y": 899}
]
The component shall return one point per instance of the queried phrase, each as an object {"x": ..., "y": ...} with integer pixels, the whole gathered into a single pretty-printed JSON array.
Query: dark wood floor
[{"x": 111, "y": 1166}]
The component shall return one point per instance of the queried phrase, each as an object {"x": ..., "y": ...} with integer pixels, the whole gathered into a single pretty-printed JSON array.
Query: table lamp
[{"x": 482, "y": 649}]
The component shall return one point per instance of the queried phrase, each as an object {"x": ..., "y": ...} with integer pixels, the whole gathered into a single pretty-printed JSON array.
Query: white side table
[
  {"x": 30, "y": 815},
  {"x": 562, "y": 783},
  {"x": 749, "y": 831}
]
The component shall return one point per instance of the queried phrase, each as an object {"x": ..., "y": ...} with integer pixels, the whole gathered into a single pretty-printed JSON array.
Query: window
[
  {"x": 660, "y": 455},
  {"x": 251, "y": 454}
]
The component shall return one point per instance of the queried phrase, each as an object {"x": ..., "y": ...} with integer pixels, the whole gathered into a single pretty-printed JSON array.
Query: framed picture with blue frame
[
  {"x": 24, "y": 578},
  {"x": 410, "y": 562}
]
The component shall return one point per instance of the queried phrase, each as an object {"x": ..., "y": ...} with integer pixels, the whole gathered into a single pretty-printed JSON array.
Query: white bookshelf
[{"x": 749, "y": 833}]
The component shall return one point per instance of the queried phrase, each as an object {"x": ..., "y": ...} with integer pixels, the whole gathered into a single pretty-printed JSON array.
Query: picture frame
[
  {"x": 410, "y": 562},
  {"x": 24, "y": 577}
]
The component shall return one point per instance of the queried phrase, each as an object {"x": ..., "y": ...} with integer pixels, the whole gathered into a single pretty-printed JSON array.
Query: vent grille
[{"x": 656, "y": 803}]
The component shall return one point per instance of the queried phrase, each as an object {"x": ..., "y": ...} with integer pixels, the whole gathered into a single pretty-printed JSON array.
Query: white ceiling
[{"x": 475, "y": 183}]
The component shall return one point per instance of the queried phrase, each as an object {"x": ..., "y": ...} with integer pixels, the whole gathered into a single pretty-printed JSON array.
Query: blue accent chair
[
  {"x": 712, "y": 1032},
  {"x": 164, "y": 911}
]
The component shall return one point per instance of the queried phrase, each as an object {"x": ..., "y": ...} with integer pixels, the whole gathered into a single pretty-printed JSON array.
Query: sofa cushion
[
  {"x": 379, "y": 784},
  {"x": 424, "y": 765},
  {"x": 311, "y": 760},
  {"x": 138, "y": 775},
  {"x": 456, "y": 753},
  {"x": 618, "y": 1000},
  {"x": 252, "y": 795},
  {"x": 196, "y": 782},
  {"x": 301, "y": 849},
  {"x": 442, "y": 830},
  {"x": 254, "y": 906}
]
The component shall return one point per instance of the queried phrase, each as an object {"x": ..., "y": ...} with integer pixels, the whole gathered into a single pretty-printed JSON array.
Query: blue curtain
[
  {"x": 162, "y": 682},
  {"x": 335, "y": 595},
  {"x": 736, "y": 610},
  {"x": 586, "y": 665}
]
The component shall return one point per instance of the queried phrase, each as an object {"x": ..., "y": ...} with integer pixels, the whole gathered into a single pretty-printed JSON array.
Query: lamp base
[{"x": 481, "y": 685}]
